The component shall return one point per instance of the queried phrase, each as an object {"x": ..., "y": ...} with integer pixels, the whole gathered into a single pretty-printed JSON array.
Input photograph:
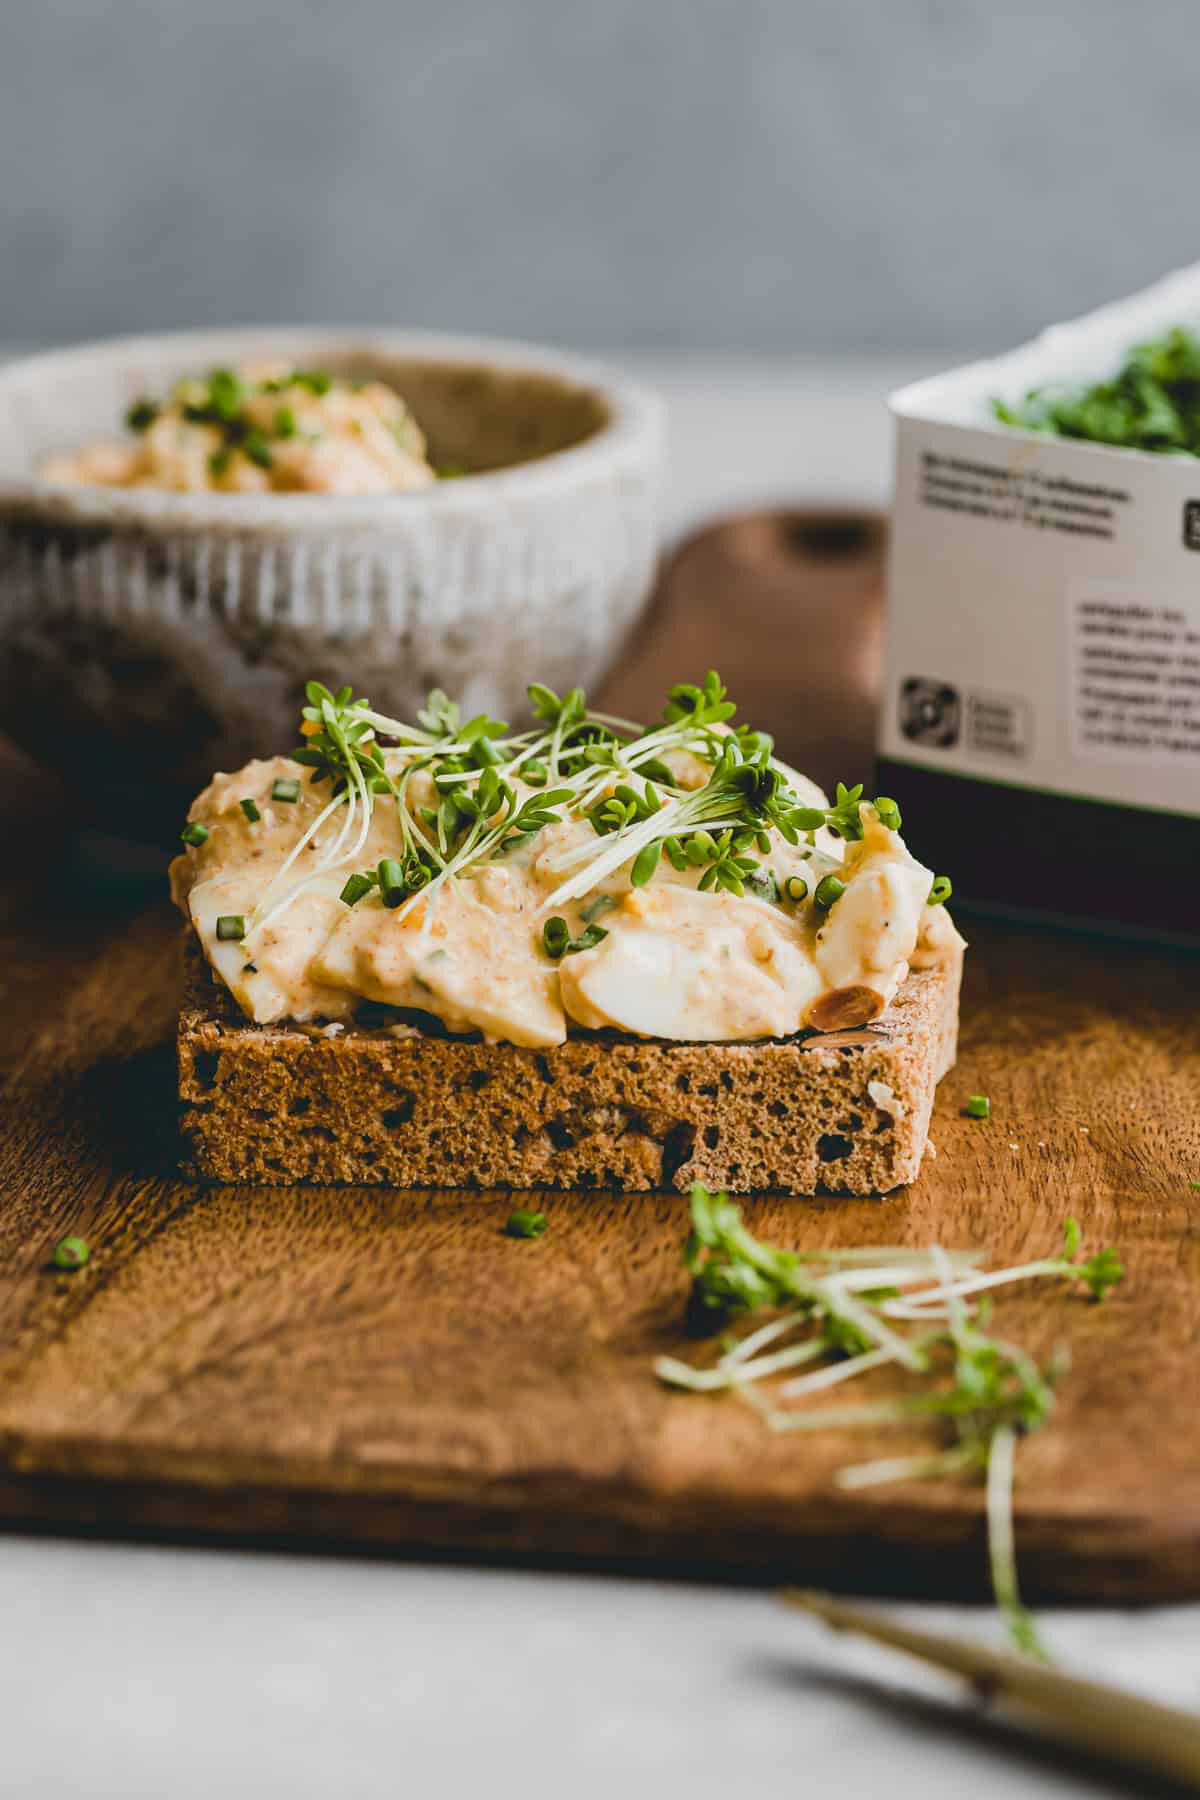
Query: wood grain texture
[{"x": 388, "y": 1370}]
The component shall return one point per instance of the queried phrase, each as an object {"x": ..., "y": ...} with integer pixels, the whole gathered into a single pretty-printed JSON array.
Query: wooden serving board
[{"x": 388, "y": 1370}]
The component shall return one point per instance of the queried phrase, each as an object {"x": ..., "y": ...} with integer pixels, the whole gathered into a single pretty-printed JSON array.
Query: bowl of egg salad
[{"x": 191, "y": 525}]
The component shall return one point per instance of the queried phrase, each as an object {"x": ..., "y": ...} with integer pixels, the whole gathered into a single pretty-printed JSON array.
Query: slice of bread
[{"x": 841, "y": 1112}]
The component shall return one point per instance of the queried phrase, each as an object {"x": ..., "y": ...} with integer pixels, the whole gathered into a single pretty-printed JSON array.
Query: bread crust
[{"x": 846, "y": 1112}]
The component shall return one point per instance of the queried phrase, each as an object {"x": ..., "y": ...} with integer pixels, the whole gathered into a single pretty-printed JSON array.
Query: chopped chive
[
  {"x": 796, "y": 888},
  {"x": 220, "y": 462},
  {"x": 250, "y": 808},
  {"x": 829, "y": 890},
  {"x": 979, "y": 1107},
  {"x": 392, "y": 885},
  {"x": 450, "y": 471},
  {"x": 285, "y": 422},
  {"x": 940, "y": 891},
  {"x": 356, "y": 887},
  {"x": 521, "y": 1224},
  {"x": 587, "y": 940},
  {"x": 224, "y": 393},
  {"x": 888, "y": 813},
  {"x": 315, "y": 380},
  {"x": 70, "y": 1253},
  {"x": 141, "y": 415},
  {"x": 195, "y": 834},
  {"x": 257, "y": 449},
  {"x": 231, "y": 928},
  {"x": 285, "y": 789},
  {"x": 556, "y": 935}
]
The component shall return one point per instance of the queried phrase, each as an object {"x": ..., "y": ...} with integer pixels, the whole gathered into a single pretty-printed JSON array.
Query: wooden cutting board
[{"x": 387, "y": 1370}]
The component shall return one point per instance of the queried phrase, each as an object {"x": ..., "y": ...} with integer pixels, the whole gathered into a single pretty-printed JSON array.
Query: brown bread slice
[{"x": 810, "y": 1114}]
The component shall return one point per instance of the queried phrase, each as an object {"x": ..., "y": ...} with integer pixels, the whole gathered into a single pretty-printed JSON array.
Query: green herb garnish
[
  {"x": 521, "y": 1224},
  {"x": 250, "y": 808},
  {"x": 285, "y": 789},
  {"x": 358, "y": 887},
  {"x": 557, "y": 940},
  {"x": 195, "y": 834},
  {"x": 141, "y": 415},
  {"x": 926, "y": 1311},
  {"x": 70, "y": 1253},
  {"x": 941, "y": 891},
  {"x": 231, "y": 928},
  {"x": 581, "y": 765},
  {"x": 1152, "y": 403},
  {"x": 829, "y": 891},
  {"x": 978, "y": 1107}
]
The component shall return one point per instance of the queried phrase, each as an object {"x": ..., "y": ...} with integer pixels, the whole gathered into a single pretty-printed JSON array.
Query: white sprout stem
[
  {"x": 893, "y": 1253},
  {"x": 863, "y": 1280},
  {"x": 835, "y": 1373},
  {"x": 758, "y": 1340},
  {"x": 902, "y": 1468},
  {"x": 977, "y": 1284},
  {"x": 871, "y": 1326},
  {"x": 620, "y": 848},
  {"x": 840, "y": 1418},
  {"x": 1002, "y": 1555},
  {"x": 258, "y": 920},
  {"x": 704, "y": 1381},
  {"x": 615, "y": 723}
]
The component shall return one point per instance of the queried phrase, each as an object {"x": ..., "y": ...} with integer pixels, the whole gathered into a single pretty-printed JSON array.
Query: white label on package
[
  {"x": 1044, "y": 616},
  {"x": 1133, "y": 662}
]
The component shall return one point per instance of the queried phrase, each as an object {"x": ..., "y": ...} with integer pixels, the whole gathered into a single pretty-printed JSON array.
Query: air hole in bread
[
  {"x": 684, "y": 1084},
  {"x": 712, "y": 1136},
  {"x": 205, "y": 1065},
  {"x": 727, "y": 1081},
  {"x": 401, "y": 1114},
  {"x": 778, "y": 1109},
  {"x": 560, "y": 1134},
  {"x": 479, "y": 1078},
  {"x": 678, "y": 1147},
  {"x": 299, "y": 1106},
  {"x": 831, "y": 1147}
]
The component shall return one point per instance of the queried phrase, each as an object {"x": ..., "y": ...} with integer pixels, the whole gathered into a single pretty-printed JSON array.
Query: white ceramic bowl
[{"x": 150, "y": 637}]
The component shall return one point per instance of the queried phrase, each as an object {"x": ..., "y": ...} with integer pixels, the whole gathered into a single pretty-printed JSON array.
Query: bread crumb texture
[{"x": 276, "y": 1105}]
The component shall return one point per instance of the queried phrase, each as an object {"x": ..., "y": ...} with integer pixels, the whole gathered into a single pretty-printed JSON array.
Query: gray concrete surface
[
  {"x": 155, "y": 1674},
  {"x": 775, "y": 174}
]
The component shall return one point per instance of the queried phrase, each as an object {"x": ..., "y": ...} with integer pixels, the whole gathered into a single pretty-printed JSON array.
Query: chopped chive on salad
[
  {"x": 576, "y": 762},
  {"x": 1151, "y": 403},
  {"x": 837, "y": 1314}
]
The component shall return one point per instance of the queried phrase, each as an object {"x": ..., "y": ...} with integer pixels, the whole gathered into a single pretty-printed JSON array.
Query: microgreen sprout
[
  {"x": 858, "y": 1311},
  {"x": 70, "y": 1253},
  {"x": 522, "y": 1224},
  {"x": 467, "y": 791}
]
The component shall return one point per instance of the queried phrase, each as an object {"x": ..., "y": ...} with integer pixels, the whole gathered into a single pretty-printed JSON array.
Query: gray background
[{"x": 727, "y": 174}]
